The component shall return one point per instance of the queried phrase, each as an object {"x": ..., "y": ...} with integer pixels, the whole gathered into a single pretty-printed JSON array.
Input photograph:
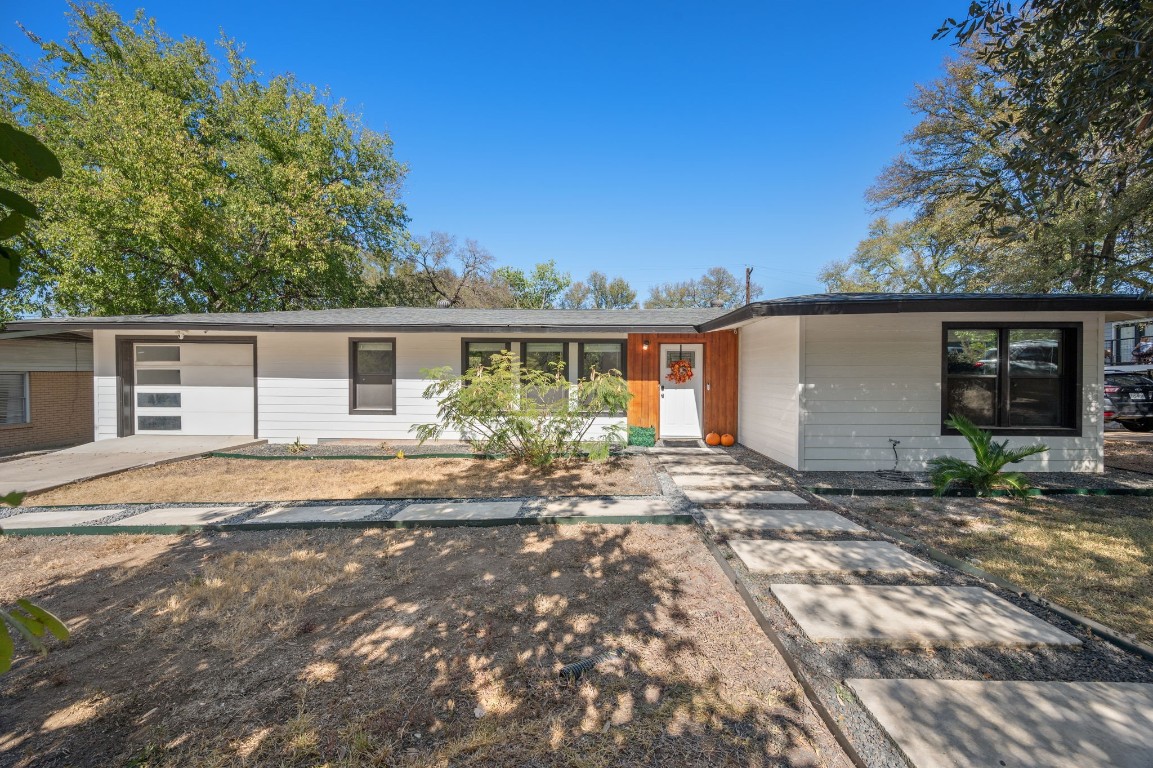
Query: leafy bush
[
  {"x": 530, "y": 415},
  {"x": 989, "y": 458},
  {"x": 645, "y": 437}
]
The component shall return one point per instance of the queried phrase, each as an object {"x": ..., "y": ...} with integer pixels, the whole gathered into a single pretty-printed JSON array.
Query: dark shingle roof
[
  {"x": 598, "y": 320},
  {"x": 408, "y": 319}
]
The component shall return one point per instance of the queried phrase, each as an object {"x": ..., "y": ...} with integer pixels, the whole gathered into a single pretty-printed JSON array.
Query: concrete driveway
[{"x": 106, "y": 457}]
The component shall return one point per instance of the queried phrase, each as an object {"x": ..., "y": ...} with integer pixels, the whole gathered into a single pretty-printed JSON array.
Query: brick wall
[{"x": 61, "y": 405}]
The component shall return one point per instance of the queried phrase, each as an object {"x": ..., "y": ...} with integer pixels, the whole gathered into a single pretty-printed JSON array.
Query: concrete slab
[
  {"x": 781, "y": 520},
  {"x": 761, "y": 556},
  {"x": 741, "y": 498},
  {"x": 104, "y": 457},
  {"x": 662, "y": 451},
  {"x": 721, "y": 469},
  {"x": 460, "y": 510},
  {"x": 909, "y": 616},
  {"x": 315, "y": 514},
  {"x": 700, "y": 460},
  {"x": 603, "y": 507},
  {"x": 182, "y": 516},
  {"x": 732, "y": 482},
  {"x": 967, "y": 723},
  {"x": 55, "y": 518}
]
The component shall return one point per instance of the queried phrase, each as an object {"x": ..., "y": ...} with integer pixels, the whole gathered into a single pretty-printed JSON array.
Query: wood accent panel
[{"x": 721, "y": 376}]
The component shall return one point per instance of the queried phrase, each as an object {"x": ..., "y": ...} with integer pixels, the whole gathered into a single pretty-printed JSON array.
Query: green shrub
[
  {"x": 530, "y": 415},
  {"x": 989, "y": 458},
  {"x": 645, "y": 437}
]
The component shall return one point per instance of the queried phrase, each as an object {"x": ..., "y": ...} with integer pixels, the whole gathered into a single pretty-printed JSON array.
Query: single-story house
[
  {"x": 45, "y": 390},
  {"x": 849, "y": 382}
]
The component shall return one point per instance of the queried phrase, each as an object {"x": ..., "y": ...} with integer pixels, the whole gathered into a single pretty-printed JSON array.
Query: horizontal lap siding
[
  {"x": 769, "y": 376},
  {"x": 871, "y": 378}
]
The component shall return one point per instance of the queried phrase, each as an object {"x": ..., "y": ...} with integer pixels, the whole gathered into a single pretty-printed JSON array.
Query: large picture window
[
  {"x": 13, "y": 398},
  {"x": 480, "y": 353},
  {"x": 372, "y": 378},
  {"x": 1013, "y": 378},
  {"x": 600, "y": 356}
]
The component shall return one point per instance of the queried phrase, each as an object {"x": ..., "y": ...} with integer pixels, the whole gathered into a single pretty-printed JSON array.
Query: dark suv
[{"x": 1132, "y": 398}]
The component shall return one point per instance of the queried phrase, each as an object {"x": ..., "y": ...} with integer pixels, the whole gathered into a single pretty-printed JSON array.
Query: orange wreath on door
[{"x": 680, "y": 371}]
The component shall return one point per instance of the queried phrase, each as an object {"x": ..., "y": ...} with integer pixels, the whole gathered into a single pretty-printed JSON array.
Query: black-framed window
[
  {"x": 13, "y": 398},
  {"x": 1019, "y": 378},
  {"x": 547, "y": 356},
  {"x": 372, "y": 376},
  {"x": 600, "y": 356},
  {"x": 480, "y": 352}
]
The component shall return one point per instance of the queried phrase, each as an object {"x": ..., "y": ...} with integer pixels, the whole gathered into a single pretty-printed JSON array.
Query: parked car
[{"x": 1130, "y": 398}]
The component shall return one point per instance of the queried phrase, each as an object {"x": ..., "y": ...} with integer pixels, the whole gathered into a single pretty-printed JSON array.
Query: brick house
[{"x": 46, "y": 398}]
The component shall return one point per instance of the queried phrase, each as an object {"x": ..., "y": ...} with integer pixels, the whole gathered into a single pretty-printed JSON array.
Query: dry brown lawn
[
  {"x": 1091, "y": 554},
  {"x": 217, "y": 479},
  {"x": 397, "y": 648},
  {"x": 1135, "y": 454}
]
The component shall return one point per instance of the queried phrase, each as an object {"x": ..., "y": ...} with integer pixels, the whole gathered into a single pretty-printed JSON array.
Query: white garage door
[{"x": 194, "y": 389}]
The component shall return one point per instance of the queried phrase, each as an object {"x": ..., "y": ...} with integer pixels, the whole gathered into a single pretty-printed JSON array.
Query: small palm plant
[{"x": 984, "y": 474}]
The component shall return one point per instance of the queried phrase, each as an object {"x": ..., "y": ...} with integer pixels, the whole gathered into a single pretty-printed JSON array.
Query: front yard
[
  {"x": 400, "y": 648},
  {"x": 1092, "y": 554},
  {"x": 243, "y": 480}
]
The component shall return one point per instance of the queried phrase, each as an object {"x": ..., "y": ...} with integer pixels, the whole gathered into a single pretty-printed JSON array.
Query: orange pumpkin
[
  {"x": 727, "y": 440},
  {"x": 713, "y": 438}
]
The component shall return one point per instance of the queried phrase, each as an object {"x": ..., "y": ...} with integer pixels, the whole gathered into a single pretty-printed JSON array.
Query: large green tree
[
  {"x": 1072, "y": 79},
  {"x": 192, "y": 184},
  {"x": 1095, "y": 238},
  {"x": 539, "y": 288}
]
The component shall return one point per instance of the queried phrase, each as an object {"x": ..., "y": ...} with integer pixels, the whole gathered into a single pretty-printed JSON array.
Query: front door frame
[
  {"x": 697, "y": 387},
  {"x": 126, "y": 376}
]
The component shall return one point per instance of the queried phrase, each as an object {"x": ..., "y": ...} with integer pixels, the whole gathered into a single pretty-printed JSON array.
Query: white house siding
[
  {"x": 869, "y": 378},
  {"x": 303, "y": 387},
  {"x": 770, "y": 363}
]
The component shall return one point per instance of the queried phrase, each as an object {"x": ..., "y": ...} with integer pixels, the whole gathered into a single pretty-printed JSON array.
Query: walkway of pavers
[{"x": 933, "y": 722}]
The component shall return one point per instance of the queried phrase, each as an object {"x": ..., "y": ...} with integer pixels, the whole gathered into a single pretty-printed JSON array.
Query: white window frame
[{"x": 27, "y": 418}]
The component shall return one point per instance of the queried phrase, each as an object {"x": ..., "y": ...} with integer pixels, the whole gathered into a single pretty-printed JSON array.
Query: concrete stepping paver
[
  {"x": 907, "y": 616},
  {"x": 762, "y": 556},
  {"x": 801, "y": 520},
  {"x": 315, "y": 514},
  {"x": 603, "y": 507},
  {"x": 56, "y": 518},
  {"x": 742, "y": 498},
  {"x": 974, "y": 723},
  {"x": 664, "y": 451},
  {"x": 460, "y": 510},
  {"x": 734, "y": 482},
  {"x": 701, "y": 460},
  {"x": 182, "y": 516},
  {"x": 717, "y": 470}
]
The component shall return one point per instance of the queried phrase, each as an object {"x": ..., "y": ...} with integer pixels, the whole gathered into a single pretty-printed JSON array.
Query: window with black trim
[
  {"x": 13, "y": 398},
  {"x": 1018, "y": 378},
  {"x": 480, "y": 353},
  {"x": 547, "y": 356},
  {"x": 372, "y": 376},
  {"x": 600, "y": 356}
]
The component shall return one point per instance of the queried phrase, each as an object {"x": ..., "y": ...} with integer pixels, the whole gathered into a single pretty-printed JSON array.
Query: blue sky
[{"x": 643, "y": 139}]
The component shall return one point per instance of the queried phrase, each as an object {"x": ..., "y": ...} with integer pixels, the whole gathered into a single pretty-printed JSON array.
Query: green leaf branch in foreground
[
  {"x": 531, "y": 415},
  {"x": 989, "y": 459}
]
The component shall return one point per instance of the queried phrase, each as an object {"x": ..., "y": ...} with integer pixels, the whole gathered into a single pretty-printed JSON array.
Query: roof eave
[{"x": 146, "y": 325}]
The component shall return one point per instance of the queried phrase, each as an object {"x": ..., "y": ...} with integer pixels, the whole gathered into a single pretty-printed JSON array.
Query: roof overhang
[
  {"x": 37, "y": 327},
  {"x": 1113, "y": 306}
]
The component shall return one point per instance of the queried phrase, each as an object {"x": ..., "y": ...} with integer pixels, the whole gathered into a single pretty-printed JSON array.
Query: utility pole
[{"x": 748, "y": 285}]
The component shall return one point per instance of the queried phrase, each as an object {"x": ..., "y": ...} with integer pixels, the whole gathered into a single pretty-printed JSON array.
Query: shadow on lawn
[{"x": 427, "y": 647}]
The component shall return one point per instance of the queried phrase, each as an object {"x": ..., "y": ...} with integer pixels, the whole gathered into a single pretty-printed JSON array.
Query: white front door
[{"x": 681, "y": 402}]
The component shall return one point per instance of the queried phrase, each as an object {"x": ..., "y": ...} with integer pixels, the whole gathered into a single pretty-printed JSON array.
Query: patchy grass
[
  {"x": 218, "y": 479},
  {"x": 1091, "y": 554},
  {"x": 398, "y": 648}
]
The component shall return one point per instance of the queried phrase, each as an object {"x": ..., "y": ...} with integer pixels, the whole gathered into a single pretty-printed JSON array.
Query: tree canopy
[
  {"x": 718, "y": 286},
  {"x": 599, "y": 292},
  {"x": 190, "y": 184},
  {"x": 979, "y": 223}
]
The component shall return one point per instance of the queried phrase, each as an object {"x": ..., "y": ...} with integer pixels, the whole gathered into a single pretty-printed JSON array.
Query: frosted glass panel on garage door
[{"x": 194, "y": 389}]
